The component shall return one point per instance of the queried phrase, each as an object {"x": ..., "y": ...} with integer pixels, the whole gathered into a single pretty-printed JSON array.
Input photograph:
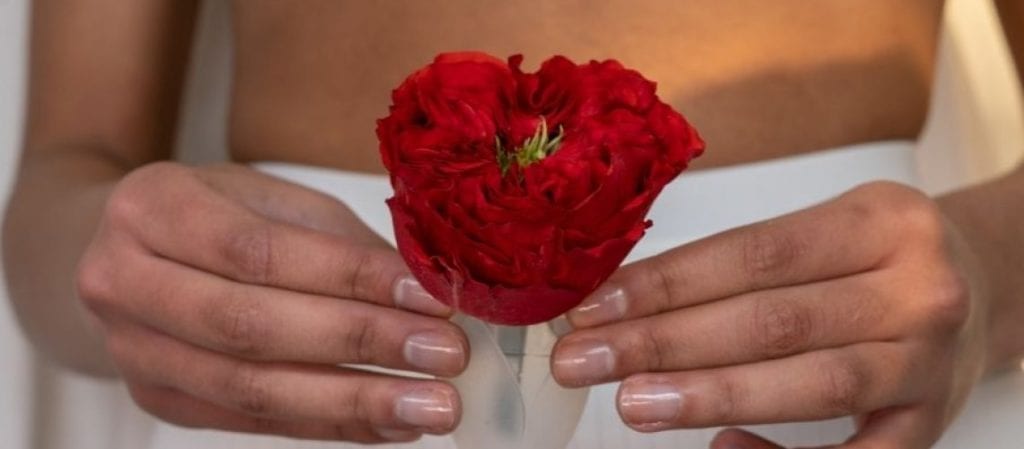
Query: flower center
[{"x": 534, "y": 149}]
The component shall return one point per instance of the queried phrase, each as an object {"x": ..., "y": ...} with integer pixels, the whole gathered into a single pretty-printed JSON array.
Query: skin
[{"x": 226, "y": 299}]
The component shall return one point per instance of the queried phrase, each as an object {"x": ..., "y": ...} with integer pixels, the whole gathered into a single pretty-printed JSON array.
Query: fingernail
[
  {"x": 606, "y": 304},
  {"x": 410, "y": 295},
  {"x": 430, "y": 410},
  {"x": 649, "y": 405},
  {"x": 398, "y": 434},
  {"x": 560, "y": 326},
  {"x": 434, "y": 351},
  {"x": 584, "y": 362}
]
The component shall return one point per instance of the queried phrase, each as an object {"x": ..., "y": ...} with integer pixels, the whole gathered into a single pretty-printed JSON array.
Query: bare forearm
[
  {"x": 50, "y": 220},
  {"x": 991, "y": 219},
  {"x": 105, "y": 79}
]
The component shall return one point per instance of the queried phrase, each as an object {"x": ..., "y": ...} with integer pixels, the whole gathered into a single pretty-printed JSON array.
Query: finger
[
  {"x": 190, "y": 223},
  {"x": 895, "y": 428},
  {"x": 751, "y": 327},
  {"x": 183, "y": 410},
  {"x": 916, "y": 427},
  {"x": 792, "y": 249},
  {"x": 287, "y": 392},
  {"x": 741, "y": 439},
  {"x": 284, "y": 201},
  {"x": 260, "y": 323},
  {"x": 811, "y": 386}
]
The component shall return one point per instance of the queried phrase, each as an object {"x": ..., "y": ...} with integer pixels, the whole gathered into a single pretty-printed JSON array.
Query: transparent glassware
[{"x": 509, "y": 398}]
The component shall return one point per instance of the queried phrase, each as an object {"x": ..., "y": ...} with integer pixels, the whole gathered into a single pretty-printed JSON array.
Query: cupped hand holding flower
[{"x": 869, "y": 305}]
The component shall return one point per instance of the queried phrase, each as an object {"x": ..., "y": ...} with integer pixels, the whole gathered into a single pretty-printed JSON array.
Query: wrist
[{"x": 994, "y": 319}]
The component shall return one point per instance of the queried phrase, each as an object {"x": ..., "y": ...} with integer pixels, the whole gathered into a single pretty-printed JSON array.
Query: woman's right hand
[{"x": 228, "y": 300}]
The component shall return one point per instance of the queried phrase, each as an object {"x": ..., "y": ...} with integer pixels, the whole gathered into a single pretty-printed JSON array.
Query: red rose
[{"x": 517, "y": 194}]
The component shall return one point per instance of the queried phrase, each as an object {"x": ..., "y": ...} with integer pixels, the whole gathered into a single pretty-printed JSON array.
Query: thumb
[
  {"x": 916, "y": 427},
  {"x": 741, "y": 439},
  {"x": 896, "y": 428}
]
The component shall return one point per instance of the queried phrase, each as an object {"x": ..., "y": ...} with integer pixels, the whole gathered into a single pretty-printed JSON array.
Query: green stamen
[{"x": 534, "y": 149}]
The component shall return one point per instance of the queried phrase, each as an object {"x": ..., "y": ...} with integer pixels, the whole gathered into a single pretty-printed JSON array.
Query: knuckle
[
  {"x": 358, "y": 267},
  {"x": 249, "y": 254},
  {"x": 780, "y": 327},
  {"x": 861, "y": 307},
  {"x": 655, "y": 347},
  {"x": 361, "y": 339},
  {"x": 124, "y": 206},
  {"x": 768, "y": 252},
  {"x": 917, "y": 214},
  {"x": 240, "y": 325},
  {"x": 861, "y": 210},
  {"x": 722, "y": 405},
  {"x": 249, "y": 390},
  {"x": 356, "y": 408},
  {"x": 643, "y": 348},
  {"x": 127, "y": 203},
  {"x": 923, "y": 219},
  {"x": 845, "y": 380},
  {"x": 94, "y": 281},
  {"x": 662, "y": 279},
  {"x": 949, "y": 302}
]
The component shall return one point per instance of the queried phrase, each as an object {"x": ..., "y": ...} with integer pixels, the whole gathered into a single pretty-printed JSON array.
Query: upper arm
[
  {"x": 105, "y": 78},
  {"x": 1011, "y": 14}
]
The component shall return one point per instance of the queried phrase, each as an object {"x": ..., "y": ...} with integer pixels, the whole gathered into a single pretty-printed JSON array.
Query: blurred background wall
[
  {"x": 15, "y": 360},
  {"x": 976, "y": 107}
]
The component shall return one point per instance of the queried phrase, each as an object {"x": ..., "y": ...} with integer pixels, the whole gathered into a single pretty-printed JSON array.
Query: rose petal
[{"x": 525, "y": 244}]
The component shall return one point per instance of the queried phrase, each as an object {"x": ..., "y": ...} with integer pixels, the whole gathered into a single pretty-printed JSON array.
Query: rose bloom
[{"x": 517, "y": 194}]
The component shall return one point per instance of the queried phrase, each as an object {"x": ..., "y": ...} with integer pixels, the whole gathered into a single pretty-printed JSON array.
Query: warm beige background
[{"x": 976, "y": 107}]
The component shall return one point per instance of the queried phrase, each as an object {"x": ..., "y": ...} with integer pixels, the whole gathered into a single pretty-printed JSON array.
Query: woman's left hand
[{"x": 862, "y": 306}]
